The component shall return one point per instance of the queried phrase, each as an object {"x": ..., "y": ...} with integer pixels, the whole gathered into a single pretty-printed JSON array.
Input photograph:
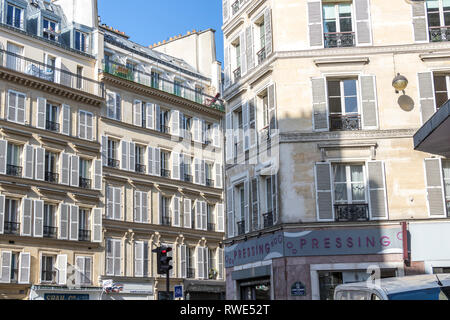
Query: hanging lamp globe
[{"x": 400, "y": 82}]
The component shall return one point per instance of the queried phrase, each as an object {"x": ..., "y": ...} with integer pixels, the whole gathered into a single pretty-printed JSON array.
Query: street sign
[
  {"x": 298, "y": 289},
  {"x": 178, "y": 291}
]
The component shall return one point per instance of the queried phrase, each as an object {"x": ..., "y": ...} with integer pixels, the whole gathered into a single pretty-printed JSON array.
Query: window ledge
[{"x": 344, "y": 60}]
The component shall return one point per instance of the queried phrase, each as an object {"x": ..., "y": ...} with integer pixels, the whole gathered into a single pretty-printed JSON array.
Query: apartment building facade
[
  {"x": 50, "y": 160},
  {"x": 322, "y": 180}
]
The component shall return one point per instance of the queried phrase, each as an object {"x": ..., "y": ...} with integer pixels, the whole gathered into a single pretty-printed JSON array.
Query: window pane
[
  {"x": 440, "y": 83},
  {"x": 345, "y": 10},
  {"x": 329, "y": 26},
  {"x": 358, "y": 192},
  {"x": 447, "y": 18},
  {"x": 335, "y": 105},
  {"x": 433, "y": 5},
  {"x": 334, "y": 89},
  {"x": 346, "y": 25},
  {"x": 351, "y": 105},
  {"x": 10, "y": 13},
  {"x": 441, "y": 98},
  {"x": 349, "y": 88},
  {"x": 329, "y": 12},
  {"x": 340, "y": 193},
  {"x": 339, "y": 173},
  {"x": 434, "y": 19},
  {"x": 356, "y": 173},
  {"x": 446, "y": 4}
]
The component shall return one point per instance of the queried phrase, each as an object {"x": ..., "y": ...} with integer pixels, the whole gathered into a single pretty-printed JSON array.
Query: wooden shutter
[
  {"x": 38, "y": 218},
  {"x": 2, "y": 213},
  {"x": 320, "y": 110},
  {"x": 377, "y": 189},
  {"x": 97, "y": 225},
  {"x": 426, "y": 95},
  {"x": 65, "y": 168},
  {"x": 139, "y": 259},
  {"x": 362, "y": 21},
  {"x": 324, "y": 197},
  {"x": 183, "y": 264},
  {"x": 61, "y": 265},
  {"x": 27, "y": 214},
  {"x": 66, "y": 120},
  {"x": 144, "y": 205},
  {"x": 73, "y": 234},
  {"x": 420, "y": 25},
  {"x": 157, "y": 161},
  {"x": 24, "y": 268},
  {"x": 204, "y": 216},
  {"x": 109, "y": 257},
  {"x": 137, "y": 113},
  {"x": 6, "y": 266},
  {"x": 98, "y": 174},
  {"x": 157, "y": 118},
  {"x": 435, "y": 189},
  {"x": 220, "y": 214},
  {"x": 28, "y": 162},
  {"x": 227, "y": 67},
  {"x": 125, "y": 155},
  {"x": 110, "y": 104},
  {"x": 255, "y": 204},
  {"x": 137, "y": 206},
  {"x": 3, "y": 155},
  {"x": 242, "y": 53},
  {"x": 89, "y": 126},
  {"x": 200, "y": 262},
  {"x": 40, "y": 164},
  {"x": 75, "y": 171},
  {"x": 198, "y": 215},
  {"x": 268, "y": 30},
  {"x": 246, "y": 206},
  {"x": 63, "y": 228},
  {"x": 132, "y": 156},
  {"x": 82, "y": 125},
  {"x": 117, "y": 203},
  {"x": 176, "y": 212},
  {"x": 229, "y": 138},
  {"x": 118, "y": 107},
  {"x": 176, "y": 166},
  {"x": 315, "y": 23},
  {"x": 150, "y": 123},
  {"x": 109, "y": 202},
  {"x": 150, "y": 161},
  {"x": 104, "y": 150},
  {"x": 41, "y": 113},
  {"x": 230, "y": 212},
  {"x": 219, "y": 253},
  {"x": 12, "y": 106},
  {"x": 369, "y": 102},
  {"x": 175, "y": 123},
  {"x": 249, "y": 48},
  {"x": 21, "y": 108},
  {"x": 245, "y": 125},
  {"x": 187, "y": 213}
]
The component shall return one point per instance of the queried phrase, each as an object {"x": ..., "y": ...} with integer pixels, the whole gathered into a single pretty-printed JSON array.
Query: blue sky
[{"x": 150, "y": 21}]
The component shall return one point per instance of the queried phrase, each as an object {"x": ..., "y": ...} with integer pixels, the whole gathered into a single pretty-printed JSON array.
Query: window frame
[
  {"x": 441, "y": 14},
  {"x": 337, "y": 17},
  {"x": 343, "y": 96},
  {"x": 14, "y": 18},
  {"x": 349, "y": 184}
]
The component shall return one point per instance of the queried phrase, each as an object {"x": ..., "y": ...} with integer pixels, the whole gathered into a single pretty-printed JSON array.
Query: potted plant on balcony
[{"x": 212, "y": 274}]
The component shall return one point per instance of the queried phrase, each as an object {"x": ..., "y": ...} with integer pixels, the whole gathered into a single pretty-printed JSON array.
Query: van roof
[{"x": 402, "y": 284}]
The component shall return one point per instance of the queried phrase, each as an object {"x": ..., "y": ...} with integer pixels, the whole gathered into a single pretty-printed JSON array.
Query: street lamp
[{"x": 399, "y": 83}]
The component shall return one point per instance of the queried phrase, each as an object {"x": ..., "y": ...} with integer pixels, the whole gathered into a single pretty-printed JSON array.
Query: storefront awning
[{"x": 204, "y": 286}]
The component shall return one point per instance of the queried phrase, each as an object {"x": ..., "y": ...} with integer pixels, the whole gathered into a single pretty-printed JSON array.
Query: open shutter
[
  {"x": 187, "y": 213},
  {"x": 268, "y": 29},
  {"x": 2, "y": 214},
  {"x": 41, "y": 113},
  {"x": 249, "y": 48},
  {"x": 315, "y": 23},
  {"x": 61, "y": 265},
  {"x": 182, "y": 167},
  {"x": 110, "y": 104},
  {"x": 63, "y": 228},
  {"x": 157, "y": 161},
  {"x": 125, "y": 155},
  {"x": 21, "y": 108},
  {"x": 38, "y": 218},
  {"x": 65, "y": 168},
  {"x": 74, "y": 223},
  {"x": 218, "y": 174},
  {"x": 66, "y": 120},
  {"x": 435, "y": 190},
  {"x": 377, "y": 189},
  {"x": 12, "y": 108},
  {"x": 109, "y": 257},
  {"x": 220, "y": 217},
  {"x": 150, "y": 161},
  {"x": 203, "y": 172},
  {"x": 175, "y": 165},
  {"x": 27, "y": 213},
  {"x": 275, "y": 198},
  {"x": 117, "y": 257},
  {"x": 245, "y": 120},
  {"x": 216, "y": 135},
  {"x": 139, "y": 259},
  {"x": 6, "y": 267},
  {"x": 204, "y": 216},
  {"x": 117, "y": 203},
  {"x": 118, "y": 109},
  {"x": 109, "y": 202},
  {"x": 3, "y": 155},
  {"x": 320, "y": 110},
  {"x": 104, "y": 150},
  {"x": 183, "y": 264},
  {"x": 137, "y": 113},
  {"x": 198, "y": 215},
  {"x": 28, "y": 161},
  {"x": 226, "y": 69},
  {"x": 97, "y": 225},
  {"x": 229, "y": 138},
  {"x": 137, "y": 206},
  {"x": 197, "y": 169},
  {"x": 150, "y": 121},
  {"x": 426, "y": 95},
  {"x": 369, "y": 102},
  {"x": 98, "y": 174},
  {"x": 363, "y": 24},
  {"x": 132, "y": 157},
  {"x": 176, "y": 212},
  {"x": 247, "y": 206},
  {"x": 80, "y": 265},
  {"x": 82, "y": 125},
  {"x": 324, "y": 197},
  {"x": 252, "y": 123},
  {"x": 75, "y": 171},
  {"x": 24, "y": 268},
  {"x": 200, "y": 262},
  {"x": 255, "y": 204},
  {"x": 219, "y": 253},
  {"x": 420, "y": 25},
  {"x": 243, "y": 48},
  {"x": 272, "y": 109},
  {"x": 40, "y": 164},
  {"x": 89, "y": 126},
  {"x": 157, "y": 118},
  {"x": 197, "y": 130},
  {"x": 175, "y": 123},
  {"x": 230, "y": 212},
  {"x": 144, "y": 205}
]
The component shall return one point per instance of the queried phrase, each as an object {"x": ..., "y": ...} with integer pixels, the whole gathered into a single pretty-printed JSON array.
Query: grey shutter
[
  {"x": 150, "y": 123},
  {"x": 80, "y": 264},
  {"x": 132, "y": 156},
  {"x": 183, "y": 264},
  {"x": 252, "y": 122},
  {"x": 229, "y": 138},
  {"x": 65, "y": 168},
  {"x": 203, "y": 172},
  {"x": 87, "y": 270},
  {"x": 220, "y": 217},
  {"x": 104, "y": 150},
  {"x": 176, "y": 212},
  {"x": 98, "y": 174},
  {"x": 157, "y": 118},
  {"x": 246, "y": 206},
  {"x": 175, "y": 123},
  {"x": 369, "y": 102},
  {"x": 420, "y": 26},
  {"x": 250, "y": 47},
  {"x": 181, "y": 162},
  {"x": 66, "y": 120},
  {"x": 74, "y": 171},
  {"x": 226, "y": 68},
  {"x": 12, "y": 107},
  {"x": 268, "y": 30},
  {"x": 230, "y": 212},
  {"x": 97, "y": 225},
  {"x": 82, "y": 125},
  {"x": 6, "y": 267},
  {"x": 38, "y": 218},
  {"x": 2, "y": 214},
  {"x": 150, "y": 161},
  {"x": 216, "y": 135},
  {"x": 255, "y": 204},
  {"x": 272, "y": 108},
  {"x": 41, "y": 112},
  {"x": 28, "y": 162},
  {"x": 125, "y": 155},
  {"x": 435, "y": 190},
  {"x": 324, "y": 196},
  {"x": 139, "y": 259},
  {"x": 144, "y": 204},
  {"x": 377, "y": 189},
  {"x": 218, "y": 175},
  {"x": 198, "y": 215},
  {"x": 187, "y": 213},
  {"x": 363, "y": 25},
  {"x": 175, "y": 165},
  {"x": 110, "y": 104},
  {"x": 40, "y": 164},
  {"x": 245, "y": 125},
  {"x": 137, "y": 206},
  {"x": 117, "y": 203},
  {"x": 204, "y": 216},
  {"x": 220, "y": 263},
  {"x": 137, "y": 113},
  {"x": 21, "y": 108},
  {"x": 320, "y": 110},
  {"x": 63, "y": 229},
  {"x": 89, "y": 126},
  {"x": 157, "y": 159},
  {"x": 315, "y": 23},
  {"x": 109, "y": 257},
  {"x": 27, "y": 213},
  {"x": 118, "y": 110},
  {"x": 197, "y": 178},
  {"x": 61, "y": 265},
  {"x": 200, "y": 269},
  {"x": 226, "y": 10},
  {"x": 243, "y": 48},
  {"x": 24, "y": 268},
  {"x": 73, "y": 234},
  {"x": 275, "y": 198},
  {"x": 3, "y": 155},
  {"x": 426, "y": 95},
  {"x": 110, "y": 202}
]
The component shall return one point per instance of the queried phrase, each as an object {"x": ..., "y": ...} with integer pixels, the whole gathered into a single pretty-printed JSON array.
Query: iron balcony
[
  {"x": 85, "y": 183},
  {"x": 240, "y": 227},
  {"x": 50, "y": 232},
  {"x": 113, "y": 163},
  {"x": 351, "y": 212},
  {"x": 14, "y": 171},
  {"x": 84, "y": 235},
  {"x": 340, "y": 122},
  {"x": 339, "y": 39},
  {"x": 268, "y": 219},
  {"x": 51, "y": 177},
  {"x": 52, "y": 126},
  {"x": 11, "y": 227}
]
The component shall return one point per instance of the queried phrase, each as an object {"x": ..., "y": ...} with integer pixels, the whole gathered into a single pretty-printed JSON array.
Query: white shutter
[
  {"x": 80, "y": 265},
  {"x": 38, "y": 218},
  {"x": 268, "y": 30},
  {"x": 40, "y": 164},
  {"x": 255, "y": 217},
  {"x": 150, "y": 123},
  {"x": 109, "y": 202},
  {"x": 377, "y": 189},
  {"x": 132, "y": 157},
  {"x": 144, "y": 205},
  {"x": 219, "y": 253},
  {"x": 75, "y": 171},
  {"x": 104, "y": 150},
  {"x": 110, "y": 104},
  {"x": 41, "y": 113},
  {"x": 109, "y": 264},
  {"x": 197, "y": 169},
  {"x": 220, "y": 217},
  {"x": 435, "y": 190},
  {"x": 243, "y": 48},
  {"x": 66, "y": 120},
  {"x": 27, "y": 214},
  {"x": 198, "y": 215},
  {"x": 252, "y": 123},
  {"x": 226, "y": 10},
  {"x": 203, "y": 172},
  {"x": 137, "y": 113},
  {"x": 82, "y": 125},
  {"x": 197, "y": 130},
  {"x": 24, "y": 268},
  {"x": 369, "y": 102},
  {"x": 73, "y": 223},
  {"x": 324, "y": 196},
  {"x": 125, "y": 155},
  {"x": 176, "y": 212},
  {"x": 139, "y": 259},
  {"x": 3, "y": 155},
  {"x": 175, "y": 123},
  {"x": 137, "y": 206},
  {"x": 229, "y": 138},
  {"x": 315, "y": 23},
  {"x": 227, "y": 67},
  {"x": 216, "y": 135},
  {"x": 97, "y": 225},
  {"x": 420, "y": 25},
  {"x": 249, "y": 47},
  {"x": 61, "y": 265},
  {"x": 157, "y": 119},
  {"x": 6, "y": 267},
  {"x": 21, "y": 108},
  {"x": 247, "y": 206},
  {"x": 230, "y": 212},
  {"x": 245, "y": 120},
  {"x": 183, "y": 264},
  {"x": 2, "y": 213},
  {"x": 187, "y": 213},
  {"x": 98, "y": 174},
  {"x": 150, "y": 161},
  {"x": 362, "y": 21},
  {"x": 204, "y": 216},
  {"x": 157, "y": 161},
  {"x": 12, "y": 106},
  {"x": 89, "y": 126},
  {"x": 426, "y": 95},
  {"x": 218, "y": 175},
  {"x": 65, "y": 168},
  {"x": 176, "y": 166},
  {"x": 200, "y": 262},
  {"x": 28, "y": 162},
  {"x": 320, "y": 110},
  {"x": 63, "y": 228},
  {"x": 118, "y": 203}
]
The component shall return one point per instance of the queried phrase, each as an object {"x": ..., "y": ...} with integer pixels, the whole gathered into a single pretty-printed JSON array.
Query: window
[
  {"x": 438, "y": 12},
  {"x": 343, "y": 104},
  {"x": 209, "y": 174},
  {"x": 84, "y": 233},
  {"x": 52, "y": 116},
  {"x": 211, "y": 217},
  {"x": 165, "y": 156},
  {"x": 114, "y": 104},
  {"x": 260, "y": 41},
  {"x": 139, "y": 154},
  {"x": 265, "y": 109},
  {"x": 48, "y": 273},
  {"x": 241, "y": 209},
  {"x": 165, "y": 211},
  {"x": 49, "y": 221},
  {"x": 11, "y": 217},
  {"x": 81, "y": 41},
  {"x": 141, "y": 259},
  {"x": 187, "y": 163},
  {"x": 13, "y": 161},
  {"x": 212, "y": 272},
  {"x": 177, "y": 87},
  {"x": 190, "y": 263},
  {"x": 85, "y": 125},
  {"x": 112, "y": 153},
  {"x": 85, "y": 174},
  {"x": 164, "y": 121},
  {"x": 114, "y": 203},
  {"x": 113, "y": 257},
  {"x": 14, "y": 16},
  {"x": 199, "y": 94},
  {"x": 441, "y": 88},
  {"x": 237, "y": 71},
  {"x": 155, "y": 80},
  {"x": 141, "y": 207},
  {"x": 49, "y": 29},
  {"x": 14, "y": 57},
  {"x": 337, "y": 27},
  {"x": 186, "y": 126},
  {"x": 446, "y": 174},
  {"x": 16, "y": 107},
  {"x": 50, "y": 167},
  {"x": 84, "y": 270}
]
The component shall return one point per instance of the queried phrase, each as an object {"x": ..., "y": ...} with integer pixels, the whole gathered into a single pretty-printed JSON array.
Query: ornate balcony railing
[
  {"x": 113, "y": 163},
  {"x": 84, "y": 235},
  {"x": 50, "y": 232},
  {"x": 52, "y": 126},
  {"x": 340, "y": 122},
  {"x": 339, "y": 39},
  {"x": 14, "y": 171},
  {"x": 85, "y": 183},
  {"x": 11, "y": 227},
  {"x": 190, "y": 273},
  {"x": 140, "y": 168},
  {"x": 50, "y": 73},
  {"x": 165, "y": 173},
  {"x": 237, "y": 74},
  {"x": 209, "y": 183},
  {"x": 351, "y": 212},
  {"x": 438, "y": 34},
  {"x": 159, "y": 83},
  {"x": 261, "y": 55},
  {"x": 51, "y": 177},
  {"x": 211, "y": 227},
  {"x": 240, "y": 227},
  {"x": 188, "y": 178},
  {"x": 268, "y": 219},
  {"x": 166, "y": 221}
]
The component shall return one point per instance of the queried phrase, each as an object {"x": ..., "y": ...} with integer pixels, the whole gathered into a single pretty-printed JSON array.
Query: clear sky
[{"x": 150, "y": 21}]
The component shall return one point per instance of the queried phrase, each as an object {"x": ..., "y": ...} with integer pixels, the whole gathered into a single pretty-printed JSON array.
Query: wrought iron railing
[
  {"x": 140, "y": 168},
  {"x": 268, "y": 219},
  {"x": 11, "y": 227},
  {"x": 85, "y": 183},
  {"x": 52, "y": 126},
  {"x": 14, "y": 171},
  {"x": 351, "y": 212},
  {"x": 165, "y": 173},
  {"x": 51, "y": 177},
  {"x": 209, "y": 183},
  {"x": 340, "y": 122},
  {"x": 166, "y": 221},
  {"x": 339, "y": 39},
  {"x": 237, "y": 74},
  {"x": 240, "y": 227},
  {"x": 211, "y": 227},
  {"x": 188, "y": 177},
  {"x": 50, "y": 73},
  {"x": 438, "y": 34},
  {"x": 113, "y": 163},
  {"x": 50, "y": 232},
  {"x": 156, "y": 82},
  {"x": 84, "y": 235},
  {"x": 261, "y": 55},
  {"x": 190, "y": 273}
]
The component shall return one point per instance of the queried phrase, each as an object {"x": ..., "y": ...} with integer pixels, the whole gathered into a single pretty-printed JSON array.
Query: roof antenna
[{"x": 439, "y": 281}]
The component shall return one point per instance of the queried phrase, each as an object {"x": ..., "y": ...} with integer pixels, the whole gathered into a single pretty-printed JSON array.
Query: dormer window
[
  {"x": 48, "y": 6},
  {"x": 81, "y": 41},
  {"x": 49, "y": 29},
  {"x": 14, "y": 16}
]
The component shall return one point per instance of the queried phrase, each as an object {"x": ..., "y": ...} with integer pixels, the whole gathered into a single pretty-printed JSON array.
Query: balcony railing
[
  {"x": 268, "y": 219},
  {"x": 50, "y": 232},
  {"x": 156, "y": 82},
  {"x": 52, "y": 126},
  {"x": 339, "y": 39},
  {"x": 261, "y": 55},
  {"x": 165, "y": 173},
  {"x": 188, "y": 178},
  {"x": 438, "y": 34},
  {"x": 85, "y": 183},
  {"x": 14, "y": 171},
  {"x": 84, "y": 235},
  {"x": 351, "y": 212},
  {"x": 340, "y": 122},
  {"x": 209, "y": 183},
  {"x": 211, "y": 227},
  {"x": 11, "y": 227},
  {"x": 51, "y": 177},
  {"x": 240, "y": 227},
  {"x": 190, "y": 273},
  {"x": 166, "y": 221},
  {"x": 164, "y": 129},
  {"x": 113, "y": 163},
  {"x": 50, "y": 73},
  {"x": 237, "y": 74},
  {"x": 140, "y": 168}
]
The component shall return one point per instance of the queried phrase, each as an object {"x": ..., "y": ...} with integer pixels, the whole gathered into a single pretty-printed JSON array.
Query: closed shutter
[
  {"x": 40, "y": 164},
  {"x": 66, "y": 120},
  {"x": 187, "y": 213},
  {"x": 426, "y": 95},
  {"x": 230, "y": 212},
  {"x": 89, "y": 126},
  {"x": 227, "y": 66},
  {"x": 157, "y": 161},
  {"x": 369, "y": 102},
  {"x": 268, "y": 29},
  {"x": 80, "y": 264},
  {"x": 82, "y": 125},
  {"x": 315, "y": 23},
  {"x": 38, "y": 218},
  {"x": 6, "y": 266},
  {"x": 377, "y": 189},
  {"x": 137, "y": 113},
  {"x": 197, "y": 164},
  {"x": 87, "y": 270},
  {"x": 220, "y": 217},
  {"x": 12, "y": 106},
  {"x": 27, "y": 214},
  {"x": 117, "y": 203},
  {"x": 65, "y": 168},
  {"x": 176, "y": 212},
  {"x": 249, "y": 48},
  {"x": 198, "y": 215},
  {"x": 137, "y": 206},
  {"x": 218, "y": 174},
  {"x": 272, "y": 109},
  {"x": 435, "y": 190},
  {"x": 175, "y": 122},
  {"x": 110, "y": 104},
  {"x": 98, "y": 174},
  {"x": 24, "y": 268},
  {"x": 242, "y": 53},
  {"x": 219, "y": 253},
  {"x": 75, "y": 171},
  {"x": 150, "y": 123},
  {"x": 117, "y": 257},
  {"x": 41, "y": 113},
  {"x": 3, "y": 155},
  {"x": 320, "y": 110},
  {"x": 104, "y": 150},
  {"x": 157, "y": 118},
  {"x": 21, "y": 108},
  {"x": 206, "y": 262},
  {"x": 61, "y": 266},
  {"x": 216, "y": 135},
  {"x": 132, "y": 157},
  {"x": 420, "y": 25},
  {"x": 197, "y": 130},
  {"x": 204, "y": 216},
  {"x": 229, "y": 138},
  {"x": 2, "y": 214},
  {"x": 363, "y": 24},
  {"x": 203, "y": 172},
  {"x": 139, "y": 259},
  {"x": 110, "y": 202},
  {"x": 63, "y": 228},
  {"x": 74, "y": 223},
  {"x": 150, "y": 161},
  {"x": 28, "y": 161},
  {"x": 118, "y": 109},
  {"x": 175, "y": 165},
  {"x": 109, "y": 257},
  {"x": 144, "y": 204},
  {"x": 246, "y": 206},
  {"x": 200, "y": 262},
  {"x": 255, "y": 204},
  {"x": 97, "y": 225},
  {"x": 245, "y": 120},
  {"x": 252, "y": 123},
  {"x": 275, "y": 198},
  {"x": 125, "y": 155},
  {"x": 181, "y": 162},
  {"x": 324, "y": 196},
  {"x": 183, "y": 264},
  {"x": 226, "y": 10}
]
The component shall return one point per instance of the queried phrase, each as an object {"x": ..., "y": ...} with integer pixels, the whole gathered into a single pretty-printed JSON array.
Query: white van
[{"x": 421, "y": 287}]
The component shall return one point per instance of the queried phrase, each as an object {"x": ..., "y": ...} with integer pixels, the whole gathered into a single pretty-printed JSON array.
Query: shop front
[
  {"x": 125, "y": 290},
  {"x": 204, "y": 290},
  {"x": 43, "y": 292}
]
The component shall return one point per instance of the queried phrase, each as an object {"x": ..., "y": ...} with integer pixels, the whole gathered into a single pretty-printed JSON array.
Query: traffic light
[{"x": 163, "y": 261}]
